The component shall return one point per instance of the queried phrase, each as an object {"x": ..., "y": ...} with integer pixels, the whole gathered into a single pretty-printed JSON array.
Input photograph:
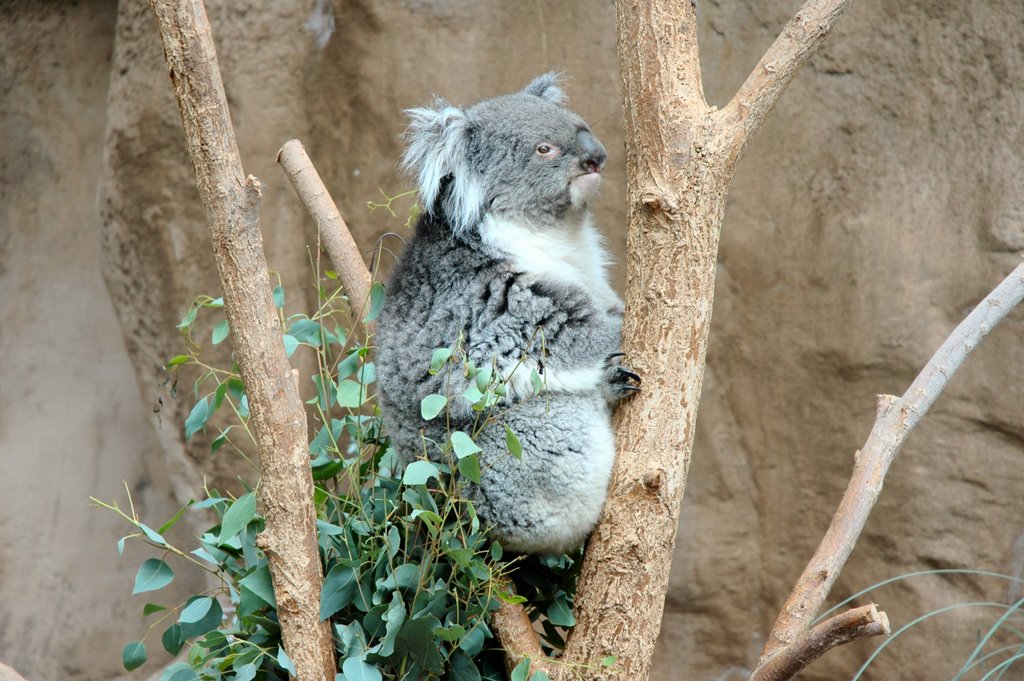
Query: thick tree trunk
[
  {"x": 231, "y": 202},
  {"x": 680, "y": 158}
]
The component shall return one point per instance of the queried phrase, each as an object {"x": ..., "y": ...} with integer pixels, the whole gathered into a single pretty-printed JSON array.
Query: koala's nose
[{"x": 592, "y": 153}]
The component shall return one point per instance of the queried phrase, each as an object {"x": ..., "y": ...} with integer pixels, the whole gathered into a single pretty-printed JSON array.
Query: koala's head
[{"x": 520, "y": 156}]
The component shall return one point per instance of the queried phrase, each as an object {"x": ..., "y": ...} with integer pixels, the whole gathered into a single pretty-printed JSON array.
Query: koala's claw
[{"x": 620, "y": 380}]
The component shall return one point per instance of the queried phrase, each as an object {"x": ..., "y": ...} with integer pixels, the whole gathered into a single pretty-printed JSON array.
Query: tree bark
[
  {"x": 895, "y": 419},
  {"x": 680, "y": 158},
  {"x": 231, "y": 203}
]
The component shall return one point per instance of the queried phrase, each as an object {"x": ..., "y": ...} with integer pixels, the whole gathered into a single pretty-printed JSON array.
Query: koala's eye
[{"x": 546, "y": 150}]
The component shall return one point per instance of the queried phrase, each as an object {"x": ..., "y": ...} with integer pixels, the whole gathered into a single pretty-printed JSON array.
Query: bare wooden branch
[
  {"x": 334, "y": 233},
  {"x": 231, "y": 203},
  {"x": 798, "y": 41},
  {"x": 519, "y": 640},
  {"x": 895, "y": 419},
  {"x": 857, "y": 623}
]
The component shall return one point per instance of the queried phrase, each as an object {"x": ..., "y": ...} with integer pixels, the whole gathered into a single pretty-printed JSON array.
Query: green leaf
[
  {"x": 189, "y": 317},
  {"x": 179, "y": 671},
  {"x": 463, "y": 444},
  {"x": 220, "y": 440},
  {"x": 515, "y": 447},
  {"x": 376, "y": 302},
  {"x": 172, "y": 639},
  {"x": 174, "y": 519},
  {"x": 258, "y": 582},
  {"x": 535, "y": 382},
  {"x": 246, "y": 672},
  {"x": 237, "y": 517},
  {"x": 395, "y": 618},
  {"x": 286, "y": 662},
  {"x": 431, "y": 406},
  {"x": 609, "y": 661},
  {"x": 195, "y": 611},
  {"x": 463, "y": 668},
  {"x": 200, "y": 615},
  {"x": 152, "y": 534},
  {"x": 418, "y": 472},
  {"x": 559, "y": 612},
  {"x": 357, "y": 670},
  {"x": 472, "y": 394},
  {"x": 438, "y": 359},
  {"x": 290, "y": 344},
  {"x": 521, "y": 672},
  {"x": 215, "y": 303},
  {"x": 197, "y": 417},
  {"x": 279, "y": 297},
  {"x": 473, "y": 642},
  {"x": 120, "y": 546},
  {"x": 540, "y": 675},
  {"x": 415, "y": 639},
  {"x": 351, "y": 394},
  {"x": 150, "y": 608},
  {"x": 152, "y": 575},
  {"x": 305, "y": 330},
  {"x": 450, "y": 634},
  {"x": 220, "y": 332},
  {"x": 176, "y": 360},
  {"x": 483, "y": 378},
  {"x": 339, "y": 587},
  {"x": 134, "y": 655},
  {"x": 469, "y": 466}
]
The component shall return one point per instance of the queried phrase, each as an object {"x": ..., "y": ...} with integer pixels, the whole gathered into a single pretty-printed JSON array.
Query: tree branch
[
  {"x": 231, "y": 203},
  {"x": 518, "y": 639},
  {"x": 334, "y": 233},
  {"x": 856, "y": 623},
  {"x": 798, "y": 41},
  {"x": 895, "y": 419}
]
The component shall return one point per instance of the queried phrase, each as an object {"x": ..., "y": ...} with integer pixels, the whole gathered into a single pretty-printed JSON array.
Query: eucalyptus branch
[
  {"x": 895, "y": 418},
  {"x": 231, "y": 203},
  {"x": 807, "y": 647},
  {"x": 796, "y": 44},
  {"x": 336, "y": 237}
]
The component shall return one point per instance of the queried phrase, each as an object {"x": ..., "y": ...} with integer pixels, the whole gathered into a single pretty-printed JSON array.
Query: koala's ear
[
  {"x": 437, "y": 147},
  {"x": 546, "y": 87}
]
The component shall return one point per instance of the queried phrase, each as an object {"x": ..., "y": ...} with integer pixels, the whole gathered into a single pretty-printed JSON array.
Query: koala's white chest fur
[{"x": 572, "y": 254}]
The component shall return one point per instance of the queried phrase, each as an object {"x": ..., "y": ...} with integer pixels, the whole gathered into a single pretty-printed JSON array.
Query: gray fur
[{"x": 517, "y": 303}]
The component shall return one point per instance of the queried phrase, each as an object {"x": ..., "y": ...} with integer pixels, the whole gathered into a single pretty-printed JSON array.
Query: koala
[{"x": 506, "y": 264}]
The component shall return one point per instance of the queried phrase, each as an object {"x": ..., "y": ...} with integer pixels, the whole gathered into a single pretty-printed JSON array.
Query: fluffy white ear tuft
[
  {"x": 437, "y": 146},
  {"x": 546, "y": 87}
]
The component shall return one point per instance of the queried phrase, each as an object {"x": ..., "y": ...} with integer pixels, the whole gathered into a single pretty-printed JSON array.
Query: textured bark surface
[
  {"x": 231, "y": 204},
  {"x": 680, "y": 158}
]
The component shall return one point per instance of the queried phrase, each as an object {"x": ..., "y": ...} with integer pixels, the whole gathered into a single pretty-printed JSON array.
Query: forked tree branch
[
  {"x": 334, "y": 233},
  {"x": 680, "y": 159},
  {"x": 231, "y": 203},
  {"x": 895, "y": 419},
  {"x": 799, "y": 40},
  {"x": 856, "y": 623}
]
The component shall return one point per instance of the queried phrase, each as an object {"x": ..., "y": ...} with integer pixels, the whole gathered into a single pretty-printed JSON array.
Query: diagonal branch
[
  {"x": 338, "y": 242},
  {"x": 796, "y": 44},
  {"x": 895, "y": 419}
]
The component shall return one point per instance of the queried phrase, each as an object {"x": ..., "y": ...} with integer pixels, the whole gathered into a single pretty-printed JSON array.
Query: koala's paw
[{"x": 620, "y": 381}]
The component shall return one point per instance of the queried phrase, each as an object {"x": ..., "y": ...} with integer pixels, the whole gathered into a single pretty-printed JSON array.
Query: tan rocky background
[{"x": 882, "y": 200}]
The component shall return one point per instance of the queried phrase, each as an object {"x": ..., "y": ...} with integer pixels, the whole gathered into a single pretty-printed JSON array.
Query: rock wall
[{"x": 883, "y": 199}]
